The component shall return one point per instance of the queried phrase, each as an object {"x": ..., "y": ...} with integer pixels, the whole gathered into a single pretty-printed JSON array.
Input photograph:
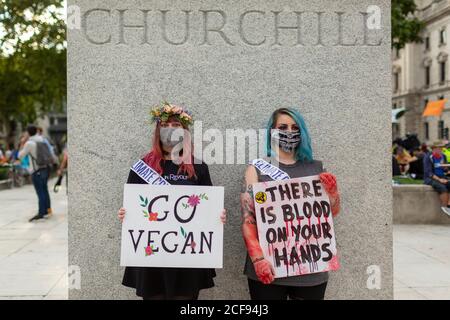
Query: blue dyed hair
[{"x": 303, "y": 152}]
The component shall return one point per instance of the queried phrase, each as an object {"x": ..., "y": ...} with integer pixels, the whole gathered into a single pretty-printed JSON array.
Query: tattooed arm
[{"x": 263, "y": 268}]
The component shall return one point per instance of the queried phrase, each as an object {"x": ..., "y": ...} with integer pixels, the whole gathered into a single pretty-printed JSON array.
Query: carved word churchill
[{"x": 252, "y": 28}]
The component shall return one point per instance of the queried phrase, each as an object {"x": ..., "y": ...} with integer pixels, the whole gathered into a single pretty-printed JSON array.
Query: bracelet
[{"x": 258, "y": 259}]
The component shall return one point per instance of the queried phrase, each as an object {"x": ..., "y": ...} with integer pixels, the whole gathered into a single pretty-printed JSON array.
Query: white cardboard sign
[{"x": 172, "y": 226}]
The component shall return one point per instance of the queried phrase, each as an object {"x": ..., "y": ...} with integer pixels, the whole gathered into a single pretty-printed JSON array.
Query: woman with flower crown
[
  {"x": 171, "y": 157},
  {"x": 288, "y": 148}
]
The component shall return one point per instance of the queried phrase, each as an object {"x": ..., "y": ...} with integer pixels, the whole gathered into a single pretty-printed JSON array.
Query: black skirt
[{"x": 168, "y": 282}]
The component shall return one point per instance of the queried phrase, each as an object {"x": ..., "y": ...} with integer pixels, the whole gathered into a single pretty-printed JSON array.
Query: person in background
[
  {"x": 25, "y": 161},
  {"x": 9, "y": 153},
  {"x": 62, "y": 169},
  {"x": 40, "y": 132},
  {"x": 424, "y": 148},
  {"x": 446, "y": 151},
  {"x": 395, "y": 167},
  {"x": 64, "y": 162},
  {"x": 2, "y": 156},
  {"x": 39, "y": 173},
  {"x": 403, "y": 159},
  {"x": 416, "y": 166},
  {"x": 435, "y": 174}
]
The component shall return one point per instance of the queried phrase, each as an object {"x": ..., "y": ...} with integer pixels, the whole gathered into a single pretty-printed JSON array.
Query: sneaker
[
  {"x": 36, "y": 217},
  {"x": 447, "y": 211}
]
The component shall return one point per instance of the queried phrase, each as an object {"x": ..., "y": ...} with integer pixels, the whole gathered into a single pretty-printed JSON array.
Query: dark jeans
[
  {"x": 40, "y": 180},
  {"x": 440, "y": 187},
  {"x": 260, "y": 291}
]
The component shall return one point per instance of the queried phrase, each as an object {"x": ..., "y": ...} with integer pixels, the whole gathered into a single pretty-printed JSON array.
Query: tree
[
  {"x": 405, "y": 26},
  {"x": 32, "y": 59}
]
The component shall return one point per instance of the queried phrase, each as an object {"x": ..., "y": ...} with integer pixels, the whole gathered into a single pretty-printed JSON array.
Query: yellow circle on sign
[{"x": 261, "y": 197}]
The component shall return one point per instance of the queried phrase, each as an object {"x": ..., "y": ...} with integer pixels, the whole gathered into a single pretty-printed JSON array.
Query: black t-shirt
[{"x": 171, "y": 174}]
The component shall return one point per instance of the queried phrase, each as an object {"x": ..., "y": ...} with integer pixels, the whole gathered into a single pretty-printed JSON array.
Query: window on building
[
  {"x": 425, "y": 102},
  {"x": 442, "y": 36},
  {"x": 427, "y": 43},
  {"x": 442, "y": 71},
  {"x": 441, "y": 129},
  {"x": 395, "y": 129},
  {"x": 427, "y": 130},
  {"x": 427, "y": 76},
  {"x": 396, "y": 81}
]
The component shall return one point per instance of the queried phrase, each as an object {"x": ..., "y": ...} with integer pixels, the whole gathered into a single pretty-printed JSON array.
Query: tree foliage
[
  {"x": 32, "y": 59},
  {"x": 405, "y": 26}
]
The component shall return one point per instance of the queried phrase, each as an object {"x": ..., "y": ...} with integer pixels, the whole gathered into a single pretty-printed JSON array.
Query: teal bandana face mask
[
  {"x": 286, "y": 140},
  {"x": 170, "y": 137}
]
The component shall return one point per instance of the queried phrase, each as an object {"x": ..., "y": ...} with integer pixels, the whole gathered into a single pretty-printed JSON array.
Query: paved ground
[
  {"x": 421, "y": 262},
  {"x": 33, "y": 256}
]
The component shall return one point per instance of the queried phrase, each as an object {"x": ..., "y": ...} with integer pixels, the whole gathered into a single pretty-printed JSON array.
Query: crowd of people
[
  {"x": 429, "y": 163},
  {"x": 35, "y": 158}
]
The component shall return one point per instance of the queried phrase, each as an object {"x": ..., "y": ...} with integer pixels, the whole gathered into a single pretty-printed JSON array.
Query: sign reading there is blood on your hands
[
  {"x": 172, "y": 226},
  {"x": 295, "y": 226}
]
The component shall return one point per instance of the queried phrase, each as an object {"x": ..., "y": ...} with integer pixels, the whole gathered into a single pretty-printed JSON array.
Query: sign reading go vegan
[
  {"x": 295, "y": 226},
  {"x": 172, "y": 226}
]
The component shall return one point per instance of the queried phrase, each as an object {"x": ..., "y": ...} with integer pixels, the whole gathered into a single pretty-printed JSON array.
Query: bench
[{"x": 417, "y": 204}]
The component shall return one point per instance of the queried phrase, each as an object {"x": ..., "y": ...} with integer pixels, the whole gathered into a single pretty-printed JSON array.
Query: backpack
[{"x": 43, "y": 156}]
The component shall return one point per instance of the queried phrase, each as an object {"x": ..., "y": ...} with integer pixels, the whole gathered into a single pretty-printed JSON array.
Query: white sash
[
  {"x": 148, "y": 174},
  {"x": 270, "y": 170}
]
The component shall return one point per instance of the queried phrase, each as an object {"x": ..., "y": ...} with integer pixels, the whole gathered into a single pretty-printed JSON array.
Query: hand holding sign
[
  {"x": 295, "y": 225},
  {"x": 329, "y": 183},
  {"x": 264, "y": 270}
]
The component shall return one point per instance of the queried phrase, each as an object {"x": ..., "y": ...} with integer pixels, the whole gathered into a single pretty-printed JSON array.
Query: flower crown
[{"x": 166, "y": 110}]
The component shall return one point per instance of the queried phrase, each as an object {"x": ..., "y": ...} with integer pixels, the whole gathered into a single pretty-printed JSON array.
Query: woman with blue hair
[{"x": 289, "y": 155}]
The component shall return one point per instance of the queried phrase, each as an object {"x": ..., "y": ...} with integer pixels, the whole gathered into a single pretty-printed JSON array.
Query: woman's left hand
[
  {"x": 223, "y": 216},
  {"x": 330, "y": 185},
  {"x": 329, "y": 182}
]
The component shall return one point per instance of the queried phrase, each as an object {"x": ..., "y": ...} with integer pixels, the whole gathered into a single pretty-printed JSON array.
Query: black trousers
[{"x": 260, "y": 291}]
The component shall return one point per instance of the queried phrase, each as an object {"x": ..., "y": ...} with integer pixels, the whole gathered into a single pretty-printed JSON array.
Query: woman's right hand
[
  {"x": 121, "y": 214},
  {"x": 264, "y": 270}
]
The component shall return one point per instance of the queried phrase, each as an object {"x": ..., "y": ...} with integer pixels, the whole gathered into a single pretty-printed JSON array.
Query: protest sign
[
  {"x": 295, "y": 226},
  {"x": 172, "y": 226}
]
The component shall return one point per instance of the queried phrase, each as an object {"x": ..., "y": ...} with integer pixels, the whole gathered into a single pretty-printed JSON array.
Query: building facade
[{"x": 420, "y": 73}]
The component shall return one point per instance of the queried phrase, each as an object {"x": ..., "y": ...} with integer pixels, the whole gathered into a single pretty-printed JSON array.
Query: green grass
[{"x": 402, "y": 180}]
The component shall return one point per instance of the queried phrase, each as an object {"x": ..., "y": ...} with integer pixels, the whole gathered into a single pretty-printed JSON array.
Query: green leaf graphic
[{"x": 183, "y": 232}]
